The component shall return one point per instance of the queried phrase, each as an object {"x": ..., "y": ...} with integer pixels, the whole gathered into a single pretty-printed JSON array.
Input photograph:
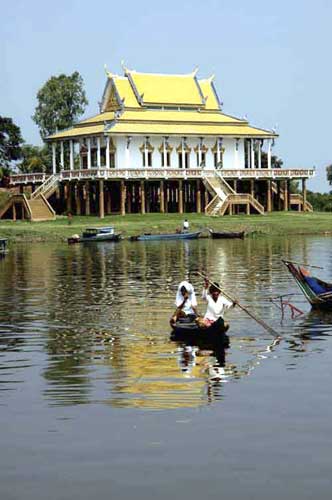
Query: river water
[{"x": 96, "y": 401}]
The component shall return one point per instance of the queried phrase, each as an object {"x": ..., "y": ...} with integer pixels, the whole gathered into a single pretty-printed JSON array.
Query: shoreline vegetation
[{"x": 273, "y": 224}]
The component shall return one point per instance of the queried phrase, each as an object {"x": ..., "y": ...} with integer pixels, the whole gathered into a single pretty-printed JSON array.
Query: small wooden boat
[
  {"x": 188, "y": 331},
  {"x": 96, "y": 234},
  {"x": 3, "y": 246},
  {"x": 317, "y": 292},
  {"x": 218, "y": 235},
  {"x": 166, "y": 236}
]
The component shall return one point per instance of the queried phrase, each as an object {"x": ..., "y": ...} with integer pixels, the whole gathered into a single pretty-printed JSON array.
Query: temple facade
[{"x": 162, "y": 143}]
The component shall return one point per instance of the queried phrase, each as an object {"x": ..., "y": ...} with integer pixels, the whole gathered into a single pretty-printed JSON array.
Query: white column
[
  {"x": 71, "y": 148},
  {"x": 164, "y": 153},
  {"x": 145, "y": 156},
  {"x": 249, "y": 153},
  {"x": 269, "y": 154},
  {"x": 54, "y": 157},
  {"x": 252, "y": 151},
  {"x": 108, "y": 151},
  {"x": 237, "y": 142},
  {"x": 89, "y": 152},
  {"x": 98, "y": 152},
  {"x": 127, "y": 153},
  {"x": 200, "y": 151},
  {"x": 259, "y": 154},
  {"x": 79, "y": 152},
  {"x": 62, "y": 156},
  {"x": 183, "y": 155}
]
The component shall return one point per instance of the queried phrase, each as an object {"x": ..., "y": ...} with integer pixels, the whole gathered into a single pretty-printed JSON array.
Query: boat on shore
[
  {"x": 218, "y": 235},
  {"x": 166, "y": 236},
  {"x": 187, "y": 330},
  {"x": 317, "y": 292},
  {"x": 95, "y": 234},
  {"x": 3, "y": 246}
]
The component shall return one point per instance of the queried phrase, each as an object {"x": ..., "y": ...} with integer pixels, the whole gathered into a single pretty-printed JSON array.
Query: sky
[{"x": 271, "y": 60}]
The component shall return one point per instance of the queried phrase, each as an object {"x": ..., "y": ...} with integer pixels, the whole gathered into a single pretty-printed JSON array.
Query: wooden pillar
[
  {"x": 206, "y": 198},
  {"x": 101, "y": 199},
  {"x": 304, "y": 193},
  {"x": 142, "y": 193},
  {"x": 14, "y": 212},
  {"x": 180, "y": 196},
  {"x": 252, "y": 187},
  {"x": 162, "y": 197},
  {"x": 109, "y": 200},
  {"x": 68, "y": 197},
  {"x": 235, "y": 185},
  {"x": 269, "y": 196},
  {"x": 53, "y": 158},
  {"x": 230, "y": 209},
  {"x": 129, "y": 197},
  {"x": 248, "y": 208},
  {"x": 198, "y": 196},
  {"x": 87, "y": 198},
  {"x": 285, "y": 195},
  {"x": 123, "y": 197},
  {"x": 78, "y": 199},
  {"x": 279, "y": 195}
]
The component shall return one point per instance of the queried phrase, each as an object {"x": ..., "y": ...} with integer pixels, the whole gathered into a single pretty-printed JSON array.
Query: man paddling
[{"x": 217, "y": 304}]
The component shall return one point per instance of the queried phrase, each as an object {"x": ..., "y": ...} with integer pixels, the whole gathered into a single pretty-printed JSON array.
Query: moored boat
[
  {"x": 166, "y": 236},
  {"x": 317, "y": 292},
  {"x": 96, "y": 234},
  {"x": 226, "y": 234}
]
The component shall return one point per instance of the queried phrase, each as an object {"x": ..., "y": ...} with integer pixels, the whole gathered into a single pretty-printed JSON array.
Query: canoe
[
  {"x": 317, "y": 292},
  {"x": 190, "y": 332},
  {"x": 218, "y": 235},
  {"x": 166, "y": 236},
  {"x": 92, "y": 235}
]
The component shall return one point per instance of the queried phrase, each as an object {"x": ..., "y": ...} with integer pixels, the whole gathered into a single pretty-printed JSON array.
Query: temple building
[{"x": 162, "y": 143}]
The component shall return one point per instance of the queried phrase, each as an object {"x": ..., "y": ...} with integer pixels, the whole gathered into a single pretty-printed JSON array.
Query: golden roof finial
[
  {"x": 211, "y": 78},
  {"x": 126, "y": 70},
  {"x": 194, "y": 73},
  {"x": 108, "y": 73}
]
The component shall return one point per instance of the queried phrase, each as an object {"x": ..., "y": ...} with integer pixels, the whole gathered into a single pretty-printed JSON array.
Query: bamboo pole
[{"x": 258, "y": 320}]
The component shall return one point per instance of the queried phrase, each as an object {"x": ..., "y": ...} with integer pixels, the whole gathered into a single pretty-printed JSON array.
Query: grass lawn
[{"x": 277, "y": 223}]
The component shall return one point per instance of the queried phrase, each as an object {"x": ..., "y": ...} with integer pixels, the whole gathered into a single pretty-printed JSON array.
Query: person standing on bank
[{"x": 185, "y": 227}]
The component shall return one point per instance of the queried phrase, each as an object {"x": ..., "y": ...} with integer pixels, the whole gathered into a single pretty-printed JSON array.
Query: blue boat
[
  {"x": 166, "y": 236},
  {"x": 93, "y": 234}
]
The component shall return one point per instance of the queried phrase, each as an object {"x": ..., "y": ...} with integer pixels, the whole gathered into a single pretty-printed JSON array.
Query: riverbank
[{"x": 274, "y": 224}]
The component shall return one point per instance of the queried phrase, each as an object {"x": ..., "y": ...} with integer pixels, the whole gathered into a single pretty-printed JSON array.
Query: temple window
[
  {"x": 218, "y": 153},
  {"x": 146, "y": 150},
  {"x": 165, "y": 150},
  {"x": 112, "y": 151},
  {"x": 183, "y": 151},
  {"x": 201, "y": 151}
]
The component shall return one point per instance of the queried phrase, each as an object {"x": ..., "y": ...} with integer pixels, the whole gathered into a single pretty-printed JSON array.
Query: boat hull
[
  {"x": 226, "y": 235},
  {"x": 189, "y": 332},
  {"x": 165, "y": 236},
  {"x": 96, "y": 239}
]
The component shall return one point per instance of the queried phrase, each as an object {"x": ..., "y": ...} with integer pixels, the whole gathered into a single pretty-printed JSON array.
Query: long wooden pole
[
  {"x": 301, "y": 264},
  {"x": 258, "y": 320}
]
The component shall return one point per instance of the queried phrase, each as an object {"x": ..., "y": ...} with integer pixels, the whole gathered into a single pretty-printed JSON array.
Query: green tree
[
  {"x": 329, "y": 173},
  {"x": 275, "y": 161},
  {"x": 61, "y": 101},
  {"x": 35, "y": 159},
  {"x": 10, "y": 143}
]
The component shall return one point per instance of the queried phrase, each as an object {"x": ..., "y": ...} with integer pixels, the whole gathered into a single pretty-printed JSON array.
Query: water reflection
[{"x": 93, "y": 320}]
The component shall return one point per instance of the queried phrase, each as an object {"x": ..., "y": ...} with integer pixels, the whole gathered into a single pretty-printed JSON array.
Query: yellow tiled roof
[
  {"x": 188, "y": 129},
  {"x": 208, "y": 93},
  {"x": 179, "y": 116},
  {"x": 125, "y": 92},
  {"x": 167, "y": 89},
  {"x": 101, "y": 117},
  {"x": 77, "y": 132}
]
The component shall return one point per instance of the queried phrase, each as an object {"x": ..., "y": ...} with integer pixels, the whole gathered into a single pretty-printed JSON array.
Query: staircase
[
  {"x": 295, "y": 199},
  {"x": 47, "y": 188},
  {"x": 224, "y": 197},
  {"x": 37, "y": 209}
]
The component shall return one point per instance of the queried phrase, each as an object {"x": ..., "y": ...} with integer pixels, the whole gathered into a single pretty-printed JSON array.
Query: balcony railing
[{"x": 164, "y": 173}]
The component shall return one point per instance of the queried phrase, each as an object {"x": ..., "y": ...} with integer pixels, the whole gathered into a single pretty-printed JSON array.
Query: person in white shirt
[
  {"x": 185, "y": 301},
  {"x": 185, "y": 226},
  {"x": 217, "y": 304}
]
